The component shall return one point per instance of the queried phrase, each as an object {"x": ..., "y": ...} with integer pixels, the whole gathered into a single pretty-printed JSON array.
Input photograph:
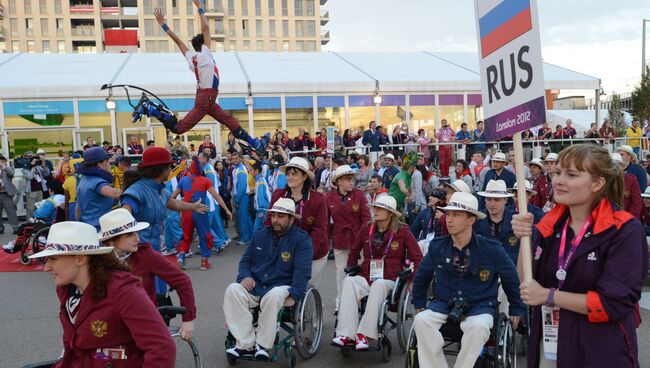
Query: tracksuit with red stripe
[{"x": 194, "y": 187}]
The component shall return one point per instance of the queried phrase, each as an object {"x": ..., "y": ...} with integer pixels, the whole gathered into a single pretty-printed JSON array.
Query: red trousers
[
  {"x": 444, "y": 156},
  {"x": 206, "y": 104}
]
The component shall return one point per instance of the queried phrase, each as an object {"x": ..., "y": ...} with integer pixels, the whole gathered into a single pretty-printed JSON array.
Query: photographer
[
  {"x": 427, "y": 223},
  {"x": 35, "y": 182},
  {"x": 7, "y": 193},
  {"x": 467, "y": 267}
]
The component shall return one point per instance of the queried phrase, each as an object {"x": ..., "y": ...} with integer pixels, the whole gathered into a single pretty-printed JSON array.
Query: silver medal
[{"x": 560, "y": 274}]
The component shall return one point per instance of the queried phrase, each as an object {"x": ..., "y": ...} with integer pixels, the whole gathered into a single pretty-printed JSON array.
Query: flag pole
[{"x": 522, "y": 204}]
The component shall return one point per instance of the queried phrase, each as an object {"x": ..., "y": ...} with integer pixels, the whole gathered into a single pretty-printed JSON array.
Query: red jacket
[
  {"x": 544, "y": 190},
  {"x": 347, "y": 216},
  {"x": 125, "y": 317},
  {"x": 402, "y": 246},
  {"x": 147, "y": 263},
  {"x": 632, "y": 199},
  {"x": 314, "y": 219}
]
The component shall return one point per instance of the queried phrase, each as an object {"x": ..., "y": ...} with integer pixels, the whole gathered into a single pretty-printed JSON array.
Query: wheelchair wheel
[
  {"x": 386, "y": 349},
  {"x": 405, "y": 315},
  {"x": 504, "y": 349},
  {"x": 411, "y": 360},
  {"x": 309, "y": 323},
  {"x": 290, "y": 358},
  {"x": 24, "y": 260},
  {"x": 187, "y": 353},
  {"x": 38, "y": 240}
]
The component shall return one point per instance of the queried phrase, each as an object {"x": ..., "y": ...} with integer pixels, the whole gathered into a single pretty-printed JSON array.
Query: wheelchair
[
  {"x": 399, "y": 303},
  {"x": 186, "y": 351},
  {"x": 32, "y": 237},
  {"x": 303, "y": 324}
]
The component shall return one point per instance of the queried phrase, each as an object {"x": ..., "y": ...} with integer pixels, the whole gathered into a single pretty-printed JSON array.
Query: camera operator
[
  {"x": 467, "y": 267},
  {"x": 7, "y": 193},
  {"x": 35, "y": 182},
  {"x": 427, "y": 223}
]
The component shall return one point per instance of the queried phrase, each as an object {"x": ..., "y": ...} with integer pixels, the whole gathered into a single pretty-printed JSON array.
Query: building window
[
  {"x": 150, "y": 46},
  {"x": 60, "y": 46},
  {"x": 231, "y": 28},
  {"x": 46, "y": 47},
  {"x": 311, "y": 28},
  {"x": 29, "y": 26},
  {"x": 147, "y": 6},
  {"x": 189, "y": 8},
  {"x": 42, "y": 6},
  {"x": 59, "y": 27},
  {"x": 218, "y": 26},
  {"x": 219, "y": 47},
  {"x": 58, "y": 9},
  {"x": 247, "y": 45},
  {"x": 45, "y": 28},
  {"x": 233, "y": 45},
  {"x": 299, "y": 28},
  {"x": 148, "y": 27},
  {"x": 285, "y": 28},
  {"x": 15, "y": 46},
  {"x": 258, "y": 28},
  {"x": 175, "y": 9},
  {"x": 28, "y": 7},
  {"x": 298, "y": 7},
  {"x": 244, "y": 8},
  {"x": 258, "y": 8},
  {"x": 285, "y": 45},
  {"x": 272, "y": 8},
  {"x": 231, "y": 7},
  {"x": 13, "y": 24},
  {"x": 273, "y": 45},
  {"x": 311, "y": 45},
  {"x": 12, "y": 6},
  {"x": 310, "y": 8},
  {"x": 300, "y": 45},
  {"x": 285, "y": 8},
  {"x": 260, "y": 45},
  {"x": 31, "y": 48},
  {"x": 177, "y": 25},
  {"x": 272, "y": 28},
  {"x": 190, "y": 27},
  {"x": 244, "y": 27},
  {"x": 164, "y": 46}
]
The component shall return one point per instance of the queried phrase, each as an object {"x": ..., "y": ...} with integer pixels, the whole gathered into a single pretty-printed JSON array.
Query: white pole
[
  {"x": 643, "y": 49},
  {"x": 522, "y": 204}
]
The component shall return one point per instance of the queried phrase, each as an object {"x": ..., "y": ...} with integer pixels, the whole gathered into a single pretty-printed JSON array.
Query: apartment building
[{"x": 96, "y": 26}]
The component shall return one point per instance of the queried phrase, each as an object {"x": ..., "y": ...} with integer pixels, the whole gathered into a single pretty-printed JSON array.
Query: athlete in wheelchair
[
  {"x": 32, "y": 234},
  {"x": 271, "y": 293},
  {"x": 467, "y": 268},
  {"x": 379, "y": 285}
]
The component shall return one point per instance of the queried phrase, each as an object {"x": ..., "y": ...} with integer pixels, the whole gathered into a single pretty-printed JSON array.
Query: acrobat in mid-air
[{"x": 201, "y": 62}]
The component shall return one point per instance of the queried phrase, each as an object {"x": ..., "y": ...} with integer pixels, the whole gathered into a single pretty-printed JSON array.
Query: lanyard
[
  {"x": 562, "y": 261},
  {"x": 370, "y": 241}
]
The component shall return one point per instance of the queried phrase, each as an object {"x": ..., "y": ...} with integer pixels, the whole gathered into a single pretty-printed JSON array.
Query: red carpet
[{"x": 11, "y": 263}]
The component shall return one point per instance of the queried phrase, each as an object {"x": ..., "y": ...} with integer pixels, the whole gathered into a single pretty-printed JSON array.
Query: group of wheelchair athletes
[{"x": 462, "y": 288}]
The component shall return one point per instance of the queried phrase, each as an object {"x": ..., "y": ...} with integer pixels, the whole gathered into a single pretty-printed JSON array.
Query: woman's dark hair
[
  {"x": 464, "y": 163},
  {"x": 56, "y": 187},
  {"x": 131, "y": 176},
  {"x": 365, "y": 159},
  {"x": 197, "y": 42},
  {"x": 307, "y": 184},
  {"x": 423, "y": 170},
  {"x": 346, "y": 134},
  {"x": 100, "y": 268}
]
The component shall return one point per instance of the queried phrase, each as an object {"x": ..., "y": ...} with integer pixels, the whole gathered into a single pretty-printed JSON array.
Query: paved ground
[{"x": 30, "y": 329}]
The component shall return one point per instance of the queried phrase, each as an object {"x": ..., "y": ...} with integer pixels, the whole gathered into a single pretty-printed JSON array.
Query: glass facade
[{"x": 452, "y": 108}]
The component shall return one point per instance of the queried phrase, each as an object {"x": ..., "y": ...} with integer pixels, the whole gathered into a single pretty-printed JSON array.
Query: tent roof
[{"x": 35, "y": 76}]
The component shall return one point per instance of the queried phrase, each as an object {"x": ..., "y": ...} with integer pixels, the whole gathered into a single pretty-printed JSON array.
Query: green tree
[
  {"x": 641, "y": 98},
  {"x": 616, "y": 119}
]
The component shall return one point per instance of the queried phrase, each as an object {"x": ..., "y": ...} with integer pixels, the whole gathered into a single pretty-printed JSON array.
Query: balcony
[
  {"x": 114, "y": 12},
  {"x": 325, "y": 37},
  {"x": 83, "y": 31},
  {"x": 82, "y": 9},
  {"x": 214, "y": 13},
  {"x": 218, "y": 34},
  {"x": 324, "y": 17}
]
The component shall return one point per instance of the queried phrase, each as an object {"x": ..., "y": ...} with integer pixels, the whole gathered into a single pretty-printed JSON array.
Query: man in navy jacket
[
  {"x": 373, "y": 138},
  {"x": 273, "y": 272},
  {"x": 467, "y": 268}
]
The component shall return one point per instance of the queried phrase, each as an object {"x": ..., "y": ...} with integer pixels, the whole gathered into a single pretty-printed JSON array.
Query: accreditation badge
[
  {"x": 551, "y": 323},
  {"x": 548, "y": 206},
  {"x": 376, "y": 269}
]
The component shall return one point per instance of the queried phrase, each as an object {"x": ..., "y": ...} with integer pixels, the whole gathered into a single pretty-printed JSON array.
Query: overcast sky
[{"x": 596, "y": 37}]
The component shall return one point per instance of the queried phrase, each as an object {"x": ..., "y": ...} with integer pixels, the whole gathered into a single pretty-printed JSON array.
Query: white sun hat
[
  {"x": 646, "y": 193},
  {"x": 386, "y": 202},
  {"x": 118, "y": 222},
  {"x": 626, "y": 148},
  {"x": 390, "y": 156},
  {"x": 616, "y": 157},
  {"x": 285, "y": 205},
  {"x": 300, "y": 164},
  {"x": 537, "y": 162},
  {"x": 499, "y": 156},
  {"x": 496, "y": 189},
  {"x": 529, "y": 188},
  {"x": 459, "y": 186},
  {"x": 461, "y": 201},
  {"x": 70, "y": 238},
  {"x": 342, "y": 171},
  {"x": 551, "y": 157}
]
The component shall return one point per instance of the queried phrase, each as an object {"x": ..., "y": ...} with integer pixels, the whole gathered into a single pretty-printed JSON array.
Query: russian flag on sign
[{"x": 501, "y": 21}]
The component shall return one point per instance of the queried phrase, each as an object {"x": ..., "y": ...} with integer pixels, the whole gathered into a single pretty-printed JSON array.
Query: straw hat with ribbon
[
  {"x": 118, "y": 222},
  {"x": 495, "y": 189},
  {"x": 300, "y": 164},
  {"x": 71, "y": 238},
  {"x": 388, "y": 203},
  {"x": 459, "y": 186},
  {"x": 285, "y": 205},
  {"x": 499, "y": 156},
  {"x": 528, "y": 185},
  {"x": 342, "y": 171},
  {"x": 461, "y": 201}
]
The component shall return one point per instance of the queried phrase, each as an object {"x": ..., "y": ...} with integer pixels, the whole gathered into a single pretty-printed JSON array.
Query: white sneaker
[
  {"x": 261, "y": 353},
  {"x": 189, "y": 254},
  {"x": 9, "y": 246}
]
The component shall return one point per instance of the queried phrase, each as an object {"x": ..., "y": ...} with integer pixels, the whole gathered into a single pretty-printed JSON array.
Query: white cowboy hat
[
  {"x": 386, "y": 202},
  {"x": 342, "y": 171},
  {"x": 528, "y": 185},
  {"x": 459, "y": 186},
  {"x": 499, "y": 156},
  {"x": 285, "y": 205},
  {"x": 300, "y": 164},
  {"x": 118, "y": 222},
  {"x": 461, "y": 201},
  {"x": 390, "y": 156},
  {"x": 71, "y": 238},
  {"x": 551, "y": 157},
  {"x": 496, "y": 189},
  {"x": 626, "y": 148},
  {"x": 616, "y": 157},
  {"x": 646, "y": 193},
  {"x": 537, "y": 162}
]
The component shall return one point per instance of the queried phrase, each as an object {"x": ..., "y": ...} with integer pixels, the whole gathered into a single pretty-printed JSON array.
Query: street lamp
[
  {"x": 110, "y": 104},
  {"x": 377, "y": 99}
]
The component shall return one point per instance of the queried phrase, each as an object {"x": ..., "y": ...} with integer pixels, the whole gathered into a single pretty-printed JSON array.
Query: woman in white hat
[
  {"x": 386, "y": 243},
  {"x": 498, "y": 172},
  {"x": 544, "y": 198},
  {"x": 310, "y": 205},
  {"x": 632, "y": 196},
  {"x": 348, "y": 210},
  {"x": 630, "y": 165},
  {"x": 536, "y": 168},
  {"x": 530, "y": 193},
  {"x": 119, "y": 230},
  {"x": 106, "y": 316}
]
